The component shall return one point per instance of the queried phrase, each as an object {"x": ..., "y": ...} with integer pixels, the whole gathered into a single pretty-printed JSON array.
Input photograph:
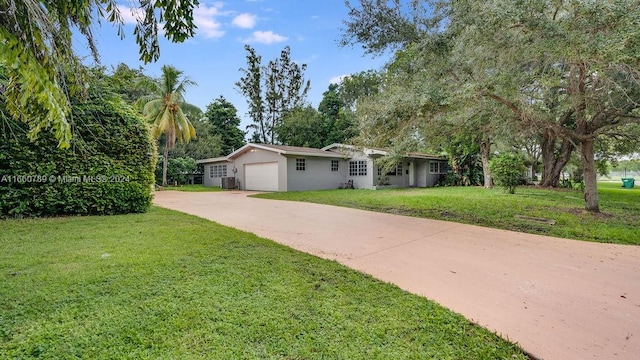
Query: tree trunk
[
  {"x": 485, "y": 153},
  {"x": 590, "y": 176},
  {"x": 552, "y": 163},
  {"x": 164, "y": 164}
]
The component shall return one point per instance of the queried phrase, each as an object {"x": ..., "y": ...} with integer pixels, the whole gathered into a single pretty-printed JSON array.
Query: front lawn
[
  {"x": 165, "y": 285},
  {"x": 193, "y": 188},
  {"x": 527, "y": 210}
]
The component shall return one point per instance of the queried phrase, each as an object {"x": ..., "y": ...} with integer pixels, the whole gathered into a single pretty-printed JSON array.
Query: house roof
[
  {"x": 367, "y": 151},
  {"x": 327, "y": 151},
  {"x": 285, "y": 150},
  {"x": 212, "y": 160},
  {"x": 417, "y": 155},
  {"x": 383, "y": 152}
]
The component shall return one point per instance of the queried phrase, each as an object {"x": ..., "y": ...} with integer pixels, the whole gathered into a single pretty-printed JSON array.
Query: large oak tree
[{"x": 568, "y": 69}]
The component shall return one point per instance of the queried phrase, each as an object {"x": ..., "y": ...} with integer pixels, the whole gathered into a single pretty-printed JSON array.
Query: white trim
[
  {"x": 213, "y": 160},
  {"x": 440, "y": 166}
]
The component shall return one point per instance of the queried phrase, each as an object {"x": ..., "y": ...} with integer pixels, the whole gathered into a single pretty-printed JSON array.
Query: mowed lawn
[
  {"x": 166, "y": 285},
  {"x": 193, "y": 188},
  {"x": 529, "y": 210}
]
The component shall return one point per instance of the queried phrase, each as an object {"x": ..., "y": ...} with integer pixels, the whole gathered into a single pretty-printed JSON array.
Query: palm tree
[{"x": 164, "y": 109}]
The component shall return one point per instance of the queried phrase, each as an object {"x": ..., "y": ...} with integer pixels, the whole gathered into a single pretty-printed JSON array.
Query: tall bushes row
[{"x": 109, "y": 168}]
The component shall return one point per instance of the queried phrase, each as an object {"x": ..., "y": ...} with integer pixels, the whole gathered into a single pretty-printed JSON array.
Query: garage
[{"x": 261, "y": 177}]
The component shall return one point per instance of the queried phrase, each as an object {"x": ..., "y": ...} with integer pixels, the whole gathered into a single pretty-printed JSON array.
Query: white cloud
[
  {"x": 245, "y": 21},
  {"x": 130, "y": 15},
  {"x": 337, "y": 79},
  {"x": 266, "y": 37},
  {"x": 205, "y": 18}
]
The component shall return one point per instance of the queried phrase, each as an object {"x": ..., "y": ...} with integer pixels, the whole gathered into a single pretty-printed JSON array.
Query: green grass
[
  {"x": 618, "y": 222},
  {"x": 166, "y": 285},
  {"x": 193, "y": 188}
]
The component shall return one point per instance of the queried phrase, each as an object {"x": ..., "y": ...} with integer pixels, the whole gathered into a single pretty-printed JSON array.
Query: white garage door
[{"x": 262, "y": 177}]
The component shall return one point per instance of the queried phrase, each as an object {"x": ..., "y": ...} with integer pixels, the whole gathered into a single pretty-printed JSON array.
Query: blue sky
[{"x": 213, "y": 57}]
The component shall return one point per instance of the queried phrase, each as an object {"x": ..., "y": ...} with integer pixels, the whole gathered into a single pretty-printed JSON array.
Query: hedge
[{"x": 109, "y": 168}]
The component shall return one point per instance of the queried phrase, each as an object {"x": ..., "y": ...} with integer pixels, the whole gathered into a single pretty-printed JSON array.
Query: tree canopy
[
  {"x": 568, "y": 70},
  {"x": 272, "y": 91},
  {"x": 223, "y": 118}
]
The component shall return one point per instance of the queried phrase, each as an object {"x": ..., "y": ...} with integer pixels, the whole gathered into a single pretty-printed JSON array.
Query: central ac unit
[{"x": 228, "y": 183}]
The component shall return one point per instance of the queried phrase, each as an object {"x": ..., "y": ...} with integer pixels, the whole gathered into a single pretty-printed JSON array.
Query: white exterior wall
[
  {"x": 255, "y": 156},
  {"x": 432, "y": 179},
  {"x": 317, "y": 174},
  {"x": 363, "y": 182},
  {"x": 422, "y": 168},
  {"x": 217, "y": 181}
]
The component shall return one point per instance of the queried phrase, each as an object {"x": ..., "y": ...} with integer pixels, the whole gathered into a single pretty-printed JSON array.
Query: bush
[
  {"x": 107, "y": 170},
  {"x": 179, "y": 170},
  {"x": 508, "y": 170}
]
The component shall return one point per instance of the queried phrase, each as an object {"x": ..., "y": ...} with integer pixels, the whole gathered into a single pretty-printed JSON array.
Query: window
[
  {"x": 395, "y": 172},
  {"x": 217, "y": 171},
  {"x": 334, "y": 165},
  {"x": 358, "y": 168},
  {"x": 435, "y": 167},
  {"x": 301, "y": 164}
]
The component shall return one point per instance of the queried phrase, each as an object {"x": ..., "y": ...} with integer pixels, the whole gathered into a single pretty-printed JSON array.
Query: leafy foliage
[
  {"x": 568, "y": 70},
  {"x": 507, "y": 169},
  {"x": 464, "y": 161},
  {"x": 163, "y": 108},
  {"x": 331, "y": 123},
  {"x": 108, "y": 170},
  {"x": 36, "y": 47},
  {"x": 302, "y": 127},
  {"x": 224, "y": 121},
  {"x": 207, "y": 145},
  {"x": 125, "y": 82},
  {"x": 358, "y": 86},
  {"x": 272, "y": 91},
  {"x": 178, "y": 170}
]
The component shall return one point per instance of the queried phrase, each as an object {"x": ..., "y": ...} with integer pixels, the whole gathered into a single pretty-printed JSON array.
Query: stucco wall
[
  {"x": 255, "y": 156},
  {"x": 432, "y": 179},
  {"x": 362, "y": 182},
  {"x": 317, "y": 174},
  {"x": 217, "y": 181},
  {"x": 422, "y": 167}
]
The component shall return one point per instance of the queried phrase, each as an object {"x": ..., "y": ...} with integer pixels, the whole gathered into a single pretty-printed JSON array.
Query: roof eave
[
  {"x": 212, "y": 160},
  {"x": 327, "y": 155}
]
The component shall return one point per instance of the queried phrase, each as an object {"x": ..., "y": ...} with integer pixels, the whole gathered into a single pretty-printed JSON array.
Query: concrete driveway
[{"x": 557, "y": 298}]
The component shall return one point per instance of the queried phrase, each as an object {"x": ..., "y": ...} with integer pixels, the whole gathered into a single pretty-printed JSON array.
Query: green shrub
[
  {"x": 179, "y": 170},
  {"x": 507, "y": 170},
  {"x": 107, "y": 170}
]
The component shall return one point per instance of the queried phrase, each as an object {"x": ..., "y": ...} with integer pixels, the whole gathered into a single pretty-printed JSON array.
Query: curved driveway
[{"x": 557, "y": 298}]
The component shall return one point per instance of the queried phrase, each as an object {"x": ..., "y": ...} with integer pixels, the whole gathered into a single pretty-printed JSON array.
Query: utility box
[
  {"x": 228, "y": 183},
  {"x": 628, "y": 183}
]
